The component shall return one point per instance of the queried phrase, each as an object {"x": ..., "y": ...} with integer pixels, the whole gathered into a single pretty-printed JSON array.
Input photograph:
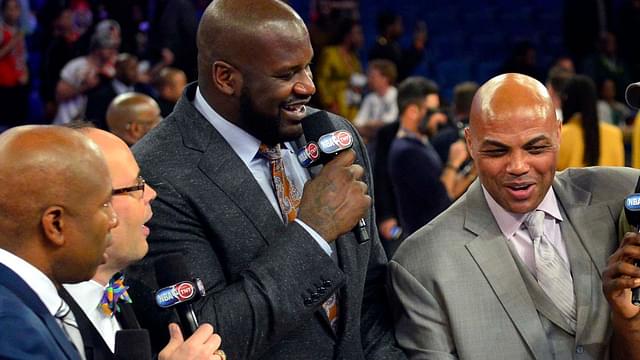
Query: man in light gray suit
[{"x": 512, "y": 269}]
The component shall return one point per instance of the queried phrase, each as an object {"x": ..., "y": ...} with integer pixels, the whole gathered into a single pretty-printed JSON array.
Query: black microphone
[
  {"x": 132, "y": 344},
  {"x": 632, "y": 95},
  {"x": 177, "y": 291},
  {"x": 632, "y": 213},
  {"x": 324, "y": 142}
]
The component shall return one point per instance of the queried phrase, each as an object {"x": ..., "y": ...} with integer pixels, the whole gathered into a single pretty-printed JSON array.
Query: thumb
[{"x": 175, "y": 340}]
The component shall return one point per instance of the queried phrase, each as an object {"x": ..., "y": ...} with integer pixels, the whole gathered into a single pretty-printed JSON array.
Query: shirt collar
[
  {"x": 243, "y": 144},
  {"x": 87, "y": 294},
  {"x": 35, "y": 279},
  {"x": 509, "y": 222}
]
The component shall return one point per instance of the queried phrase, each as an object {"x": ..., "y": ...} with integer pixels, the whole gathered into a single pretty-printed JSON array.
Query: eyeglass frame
[{"x": 129, "y": 189}]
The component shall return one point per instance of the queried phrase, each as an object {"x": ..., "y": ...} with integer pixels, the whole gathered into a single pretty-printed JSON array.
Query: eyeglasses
[{"x": 139, "y": 186}]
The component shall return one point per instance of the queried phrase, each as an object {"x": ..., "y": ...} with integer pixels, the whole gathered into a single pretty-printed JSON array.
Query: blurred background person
[
  {"x": 337, "y": 66},
  {"x": 169, "y": 84},
  {"x": 14, "y": 74},
  {"x": 557, "y": 80},
  {"x": 131, "y": 115},
  {"x": 422, "y": 185},
  {"x": 610, "y": 110},
  {"x": 387, "y": 45},
  {"x": 84, "y": 73},
  {"x": 380, "y": 106},
  {"x": 586, "y": 141},
  {"x": 126, "y": 79}
]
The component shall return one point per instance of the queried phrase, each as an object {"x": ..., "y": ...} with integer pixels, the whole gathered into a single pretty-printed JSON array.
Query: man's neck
[{"x": 103, "y": 275}]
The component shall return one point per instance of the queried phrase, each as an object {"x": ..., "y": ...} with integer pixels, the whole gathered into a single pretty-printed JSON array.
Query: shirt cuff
[{"x": 322, "y": 242}]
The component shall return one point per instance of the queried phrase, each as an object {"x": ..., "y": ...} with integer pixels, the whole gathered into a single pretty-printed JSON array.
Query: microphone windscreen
[
  {"x": 171, "y": 269},
  {"x": 132, "y": 344},
  {"x": 316, "y": 125}
]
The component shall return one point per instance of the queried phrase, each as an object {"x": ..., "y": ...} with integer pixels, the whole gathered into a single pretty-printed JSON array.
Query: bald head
[
  {"x": 508, "y": 96},
  {"x": 131, "y": 115},
  {"x": 52, "y": 180},
  {"x": 237, "y": 30}
]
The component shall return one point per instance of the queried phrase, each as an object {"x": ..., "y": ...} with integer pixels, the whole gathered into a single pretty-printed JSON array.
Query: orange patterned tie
[{"x": 289, "y": 200}]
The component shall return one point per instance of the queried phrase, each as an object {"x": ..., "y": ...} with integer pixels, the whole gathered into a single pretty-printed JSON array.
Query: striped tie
[
  {"x": 552, "y": 271},
  {"x": 70, "y": 327},
  {"x": 289, "y": 200}
]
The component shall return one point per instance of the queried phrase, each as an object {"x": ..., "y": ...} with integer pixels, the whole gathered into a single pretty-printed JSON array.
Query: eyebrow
[{"x": 536, "y": 139}]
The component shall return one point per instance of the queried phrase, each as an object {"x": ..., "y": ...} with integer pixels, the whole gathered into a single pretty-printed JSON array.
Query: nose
[
  {"x": 518, "y": 163},
  {"x": 304, "y": 85},
  {"x": 149, "y": 193},
  {"x": 113, "y": 222}
]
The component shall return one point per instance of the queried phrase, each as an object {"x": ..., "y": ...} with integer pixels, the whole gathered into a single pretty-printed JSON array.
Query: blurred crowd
[{"x": 122, "y": 66}]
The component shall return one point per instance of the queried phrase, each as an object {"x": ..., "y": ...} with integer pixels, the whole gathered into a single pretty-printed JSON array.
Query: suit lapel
[
  {"x": 490, "y": 251},
  {"x": 14, "y": 283},
  {"x": 126, "y": 317},
  {"x": 224, "y": 168},
  {"x": 589, "y": 224}
]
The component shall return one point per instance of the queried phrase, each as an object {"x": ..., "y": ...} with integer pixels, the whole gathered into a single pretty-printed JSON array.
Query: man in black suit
[
  {"x": 99, "y": 319},
  {"x": 55, "y": 201},
  {"x": 280, "y": 285}
]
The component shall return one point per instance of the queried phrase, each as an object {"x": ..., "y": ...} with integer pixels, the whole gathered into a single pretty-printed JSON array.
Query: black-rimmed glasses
[{"x": 139, "y": 186}]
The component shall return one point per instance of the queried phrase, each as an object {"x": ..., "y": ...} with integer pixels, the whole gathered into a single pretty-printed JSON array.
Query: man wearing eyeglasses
[{"x": 102, "y": 305}]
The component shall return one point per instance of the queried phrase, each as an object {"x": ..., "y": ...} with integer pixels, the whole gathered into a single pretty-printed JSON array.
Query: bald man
[
  {"x": 131, "y": 115},
  {"x": 56, "y": 218},
  {"x": 512, "y": 269},
  {"x": 286, "y": 277},
  {"x": 131, "y": 201}
]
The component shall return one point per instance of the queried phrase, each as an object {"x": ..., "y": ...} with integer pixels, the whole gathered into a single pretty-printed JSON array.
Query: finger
[
  {"x": 201, "y": 335},
  {"x": 631, "y": 238},
  {"x": 357, "y": 171},
  {"x": 620, "y": 268},
  {"x": 627, "y": 253},
  {"x": 619, "y": 284},
  {"x": 345, "y": 158},
  {"x": 175, "y": 339}
]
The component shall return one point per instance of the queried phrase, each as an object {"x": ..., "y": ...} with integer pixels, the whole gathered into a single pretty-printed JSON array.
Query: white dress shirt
[
  {"x": 511, "y": 227},
  {"x": 246, "y": 147},
  {"x": 88, "y": 295}
]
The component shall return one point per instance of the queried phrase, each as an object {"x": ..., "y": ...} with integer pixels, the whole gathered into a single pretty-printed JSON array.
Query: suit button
[
  {"x": 308, "y": 301},
  {"x": 579, "y": 349},
  {"x": 326, "y": 283}
]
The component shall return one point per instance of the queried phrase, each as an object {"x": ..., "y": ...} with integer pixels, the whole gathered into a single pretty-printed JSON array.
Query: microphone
[
  {"x": 178, "y": 292},
  {"x": 324, "y": 142},
  {"x": 632, "y": 95},
  {"x": 632, "y": 213},
  {"x": 132, "y": 344}
]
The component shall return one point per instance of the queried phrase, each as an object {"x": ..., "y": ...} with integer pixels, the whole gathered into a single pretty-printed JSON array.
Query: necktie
[
  {"x": 114, "y": 292},
  {"x": 552, "y": 271},
  {"x": 70, "y": 327},
  {"x": 286, "y": 192},
  {"x": 289, "y": 200}
]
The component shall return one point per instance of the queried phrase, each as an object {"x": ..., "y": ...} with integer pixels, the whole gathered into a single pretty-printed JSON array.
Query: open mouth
[{"x": 520, "y": 191}]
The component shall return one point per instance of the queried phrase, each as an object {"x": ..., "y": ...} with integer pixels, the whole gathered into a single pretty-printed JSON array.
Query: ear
[
  {"x": 467, "y": 139},
  {"x": 226, "y": 78},
  {"x": 52, "y": 222},
  {"x": 136, "y": 130}
]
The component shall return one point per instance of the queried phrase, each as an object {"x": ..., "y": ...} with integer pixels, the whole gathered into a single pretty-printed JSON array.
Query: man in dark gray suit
[
  {"x": 280, "y": 286},
  {"x": 512, "y": 269}
]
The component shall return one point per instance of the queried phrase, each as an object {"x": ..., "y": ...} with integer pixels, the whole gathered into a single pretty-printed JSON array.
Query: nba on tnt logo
[
  {"x": 313, "y": 151},
  {"x": 343, "y": 138}
]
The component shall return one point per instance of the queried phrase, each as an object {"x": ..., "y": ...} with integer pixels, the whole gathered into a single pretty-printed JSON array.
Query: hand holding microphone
[
  {"x": 335, "y": 201},
  {"x": 621, "y": 278}
]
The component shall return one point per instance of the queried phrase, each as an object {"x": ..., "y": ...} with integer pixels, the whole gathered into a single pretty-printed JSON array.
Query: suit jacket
[
  {"x": 459, "y": 291},
  {"x": 29, "y": 329},
  {"x": 266, "y": 281},
  {"x": 95, "y": 347},
  {"x": 415, "y": 169}
]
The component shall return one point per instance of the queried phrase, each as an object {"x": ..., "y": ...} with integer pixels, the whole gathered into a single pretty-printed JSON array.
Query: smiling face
[
  {"x": 276, "y": 86},
  {"x": 514, "y": 138}
]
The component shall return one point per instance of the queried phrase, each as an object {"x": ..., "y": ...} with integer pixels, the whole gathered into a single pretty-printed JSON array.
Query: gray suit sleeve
[{"x": 422, "y": 327}]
